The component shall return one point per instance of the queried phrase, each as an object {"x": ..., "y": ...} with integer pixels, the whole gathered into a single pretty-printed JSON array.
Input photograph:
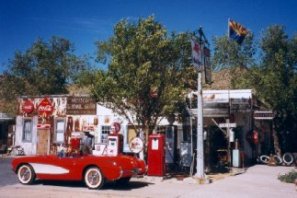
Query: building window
[
  {"x": 60, "y": 128},
  {"x": 104, "y": 133},
  {"x": 27, "y": 130}
]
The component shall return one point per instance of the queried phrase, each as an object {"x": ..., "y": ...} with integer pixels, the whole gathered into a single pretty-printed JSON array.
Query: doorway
[{"x": 43, "y": 141}]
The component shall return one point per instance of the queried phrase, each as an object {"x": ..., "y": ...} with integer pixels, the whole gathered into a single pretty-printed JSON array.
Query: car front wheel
[
  {"x": 26, "y": 174},
  {"x": 94, "y": 178}
]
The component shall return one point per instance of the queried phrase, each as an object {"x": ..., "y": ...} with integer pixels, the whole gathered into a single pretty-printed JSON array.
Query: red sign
[
  {"x": 136, "y": 145},
  {"x": 43, "y": 126},
  {"x": 45, "y": 108},
  {"x": 27, "y": 106}
]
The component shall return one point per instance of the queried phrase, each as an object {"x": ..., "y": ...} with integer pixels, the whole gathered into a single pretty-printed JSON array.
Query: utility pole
[
  {"x": 199, "y": 62},
  {"x": 200, "y": 147},
  {"x": 200, "y": 140}
]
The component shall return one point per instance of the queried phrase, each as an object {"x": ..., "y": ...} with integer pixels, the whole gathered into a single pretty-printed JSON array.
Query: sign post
[
  {"x": 200, "y": 147},
  {"x": 228, "y": 127},
  {"x": 199, "y": 55}
]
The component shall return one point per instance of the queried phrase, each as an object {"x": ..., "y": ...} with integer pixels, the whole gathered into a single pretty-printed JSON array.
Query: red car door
[{"x": 59, "y": 168}]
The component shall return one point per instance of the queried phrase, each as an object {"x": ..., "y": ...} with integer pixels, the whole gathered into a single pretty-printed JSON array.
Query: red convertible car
[{"x": 93, "y": 170}]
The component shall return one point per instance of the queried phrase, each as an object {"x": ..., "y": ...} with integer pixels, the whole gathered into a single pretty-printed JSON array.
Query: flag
[
  {"x": 196, "y": 54},
  {"x": 236, "y": 31}
]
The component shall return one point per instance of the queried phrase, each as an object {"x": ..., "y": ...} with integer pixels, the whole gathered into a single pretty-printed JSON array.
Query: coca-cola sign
[
  {"x": 27, "y": 106},
  {"x": 45, "y": 107}
]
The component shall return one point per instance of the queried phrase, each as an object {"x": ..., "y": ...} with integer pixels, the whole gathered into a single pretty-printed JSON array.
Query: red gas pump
[
  {"x": 75, "y": 142},
  {"x": 156, "y": 155}
]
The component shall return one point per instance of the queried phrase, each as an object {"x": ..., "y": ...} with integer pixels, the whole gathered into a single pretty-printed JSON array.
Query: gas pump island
[{"x": 156, "y": 151}]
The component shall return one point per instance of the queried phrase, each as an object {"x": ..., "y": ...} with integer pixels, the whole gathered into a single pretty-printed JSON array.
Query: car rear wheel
[
  {"x": 94, "y": 178},
  {"x": 26, "y": 174}
]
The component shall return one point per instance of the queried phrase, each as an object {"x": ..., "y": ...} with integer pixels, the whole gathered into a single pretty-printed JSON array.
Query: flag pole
[{"x": 228, "y": 29}]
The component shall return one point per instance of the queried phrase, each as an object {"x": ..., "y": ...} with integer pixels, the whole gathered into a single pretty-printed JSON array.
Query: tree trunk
[
  {"x": 146, "y": 132},
  {"x": 276, "y": 144}
]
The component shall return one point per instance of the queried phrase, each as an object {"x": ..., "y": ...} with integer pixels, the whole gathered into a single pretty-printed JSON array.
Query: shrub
[{"x": 289, "y": 177}]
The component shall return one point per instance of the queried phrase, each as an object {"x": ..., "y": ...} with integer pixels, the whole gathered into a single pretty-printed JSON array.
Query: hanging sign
[
  {"x": 207, "y": 66},
  {"x": 196, "y": 54},
  {"x": 45, "y": 107},
  {"x": 227, "y": 125},
  {"x": 263, "y": 115}
]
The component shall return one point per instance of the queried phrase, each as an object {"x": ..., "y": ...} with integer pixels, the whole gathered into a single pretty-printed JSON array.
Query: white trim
[{"x": 48, "y": 169}]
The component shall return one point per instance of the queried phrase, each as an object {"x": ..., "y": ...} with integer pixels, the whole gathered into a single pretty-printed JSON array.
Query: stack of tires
[{"x": 287, "y": 159}]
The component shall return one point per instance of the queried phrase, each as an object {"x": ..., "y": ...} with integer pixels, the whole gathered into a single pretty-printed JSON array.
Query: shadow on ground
[
  {"x": 107, "y": 186},
  {"x": 7, "y": 176}
]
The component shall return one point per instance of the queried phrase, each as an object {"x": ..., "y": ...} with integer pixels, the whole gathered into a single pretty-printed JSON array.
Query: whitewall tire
[
  {"x": 93, "y": 178},
  {"x": 26, "y": 174}
]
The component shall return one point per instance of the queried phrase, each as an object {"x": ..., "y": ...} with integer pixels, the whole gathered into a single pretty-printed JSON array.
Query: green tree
[
  {"x": 237, "y": 59},
  {"x": 44, "y": 68},
  {"x": 273, "y": 77},
  {"x": 276, "y": 82},
  {"x": 147, "y": 72}
]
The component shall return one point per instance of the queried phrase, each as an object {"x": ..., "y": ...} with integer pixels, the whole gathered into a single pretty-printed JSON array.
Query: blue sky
[{"x": 84, "y": 22}]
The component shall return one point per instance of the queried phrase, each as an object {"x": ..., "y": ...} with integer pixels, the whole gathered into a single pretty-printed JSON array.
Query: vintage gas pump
[
  {"x": 170, "y": 145},
  {"x": 115, "y": 144},
  {"x": 156, "y": 155}
]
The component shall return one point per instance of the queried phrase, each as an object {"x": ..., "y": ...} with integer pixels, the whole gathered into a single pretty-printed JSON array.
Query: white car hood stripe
[{"x": 48, "y": 169}]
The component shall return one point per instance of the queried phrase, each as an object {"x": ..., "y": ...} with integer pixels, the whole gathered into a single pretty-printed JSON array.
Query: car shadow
[
  {"x": 107, "y": 186},
  {"x": 7, "y": 176},
  {"x": 73, "y": 184},
  {"x": 125, "y": 187}
]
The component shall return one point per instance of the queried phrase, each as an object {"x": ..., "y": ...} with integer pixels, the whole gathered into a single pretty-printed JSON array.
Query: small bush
[{"x": 289, "y": 177}]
